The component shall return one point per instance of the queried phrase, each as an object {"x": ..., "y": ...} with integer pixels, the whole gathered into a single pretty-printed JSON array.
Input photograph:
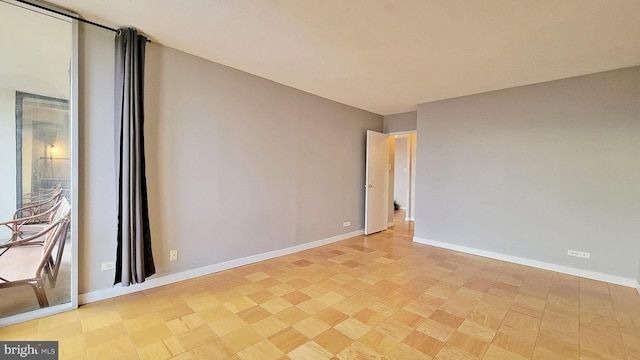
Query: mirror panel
[{"x": 37, "y": 137}]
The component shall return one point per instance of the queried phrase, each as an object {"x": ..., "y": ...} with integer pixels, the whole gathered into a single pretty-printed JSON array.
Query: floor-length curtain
[{"x": 134, "y": 259}]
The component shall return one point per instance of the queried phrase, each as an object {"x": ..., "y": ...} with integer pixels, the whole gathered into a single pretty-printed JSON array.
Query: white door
[{"x": 377, "y": 183}]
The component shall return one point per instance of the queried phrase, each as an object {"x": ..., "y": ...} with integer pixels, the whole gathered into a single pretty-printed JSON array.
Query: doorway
[{"x": 403, "y": 189}]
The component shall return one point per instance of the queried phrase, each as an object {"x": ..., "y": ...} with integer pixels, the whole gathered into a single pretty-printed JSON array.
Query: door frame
[{"x": 411, "y": 153}]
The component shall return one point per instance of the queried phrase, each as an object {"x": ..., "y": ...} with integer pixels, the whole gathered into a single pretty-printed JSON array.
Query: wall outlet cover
[{"x": 580, "y": 254}]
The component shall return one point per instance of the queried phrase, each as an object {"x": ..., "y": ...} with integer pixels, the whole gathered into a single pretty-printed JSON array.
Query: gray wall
[
  {"x": 536, "y": 170},
  {"x": 402, "y": 122},
  {"x": 237, "y": 165},
  {"x": 96, "y": 189}
]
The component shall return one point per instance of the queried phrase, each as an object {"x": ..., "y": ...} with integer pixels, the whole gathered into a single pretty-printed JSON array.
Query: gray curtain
[{"x": 134, "y": 259}]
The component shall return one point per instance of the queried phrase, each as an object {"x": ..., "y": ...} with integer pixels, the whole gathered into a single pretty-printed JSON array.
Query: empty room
[{"x": 320, "y": 179}]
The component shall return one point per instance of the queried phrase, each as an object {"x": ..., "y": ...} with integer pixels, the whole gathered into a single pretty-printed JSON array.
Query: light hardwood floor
[{"x": 379, "y": 296}]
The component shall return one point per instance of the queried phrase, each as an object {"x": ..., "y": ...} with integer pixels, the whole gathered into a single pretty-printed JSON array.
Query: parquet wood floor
[{"x": 373, "y": 297}]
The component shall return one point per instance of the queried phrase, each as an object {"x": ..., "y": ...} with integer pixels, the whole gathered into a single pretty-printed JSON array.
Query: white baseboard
[
  {"x": 409, "y": 219},
  {"x": 534, "y": 263},
  {"x": 390, "y": 224},
  {"x": 638, "y": 286},
  {"x": 206, "y": 270},
  {"x": 31, "y": 315}
]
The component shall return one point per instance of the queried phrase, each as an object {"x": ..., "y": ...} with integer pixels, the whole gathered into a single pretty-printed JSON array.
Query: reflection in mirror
[
  {"x": 42, "y": 147},
  {"x": 35, "y": 158}
]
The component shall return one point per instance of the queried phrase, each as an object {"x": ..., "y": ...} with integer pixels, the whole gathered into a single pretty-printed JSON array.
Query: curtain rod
[{"x": 55, "y": 11}]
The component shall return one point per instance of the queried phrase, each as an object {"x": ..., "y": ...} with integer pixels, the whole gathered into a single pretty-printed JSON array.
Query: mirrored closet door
[{"x": 38, "y": 243}]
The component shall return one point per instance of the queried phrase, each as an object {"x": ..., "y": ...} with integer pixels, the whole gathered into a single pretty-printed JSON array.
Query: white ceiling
[{"x": 389, "y": 56}]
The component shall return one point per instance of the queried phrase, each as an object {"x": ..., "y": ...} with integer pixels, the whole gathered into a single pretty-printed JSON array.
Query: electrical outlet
[
  {"x": 108, "y": 265},
  {"x": 346, "y": 224},
  {"x": 173, "y": 255},
  {"x": 580, "y": 254}
]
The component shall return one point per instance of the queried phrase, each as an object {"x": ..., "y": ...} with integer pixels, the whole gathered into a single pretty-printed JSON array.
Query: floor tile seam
[
  {"x": 503, "y": 317},
  {"x": 616, "y": 319},
  {"x": 617, "y": 334},
  {"x": 535, "y": 343},
  {"x": 458, "y": 329}
]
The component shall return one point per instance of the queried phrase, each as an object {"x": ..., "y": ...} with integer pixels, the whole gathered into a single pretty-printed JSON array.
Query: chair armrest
[
  {"x": 34, "y": 207},
  {"x": 15, "y": 225},
  {"x": 27, "y": 218},
  {"x": 32, "y": 238}
]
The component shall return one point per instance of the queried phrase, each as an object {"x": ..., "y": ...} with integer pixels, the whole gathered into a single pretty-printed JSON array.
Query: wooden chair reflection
[
  {"x": 25, "y": 261},
  {"x": 34, "y": 217},
  {"x": 35, "y": 214}
]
